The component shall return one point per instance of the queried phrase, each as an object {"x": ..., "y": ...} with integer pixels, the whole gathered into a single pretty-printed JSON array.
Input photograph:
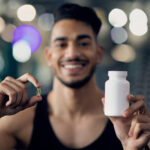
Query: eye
[
  {"x": 61, "y": 45},
  {"x": 84, "y": 44}
]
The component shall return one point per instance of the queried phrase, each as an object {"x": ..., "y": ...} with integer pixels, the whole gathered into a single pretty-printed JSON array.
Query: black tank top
[{"x": 44, "y": 138}]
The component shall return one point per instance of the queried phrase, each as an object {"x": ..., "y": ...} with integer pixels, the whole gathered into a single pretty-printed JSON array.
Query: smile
[{"x": 72, "y": 66}]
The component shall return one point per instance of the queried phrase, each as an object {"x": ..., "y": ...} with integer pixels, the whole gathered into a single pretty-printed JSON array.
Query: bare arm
[
  {"x": 7, "y": 141},
  {"x": 13, "y": 99}
]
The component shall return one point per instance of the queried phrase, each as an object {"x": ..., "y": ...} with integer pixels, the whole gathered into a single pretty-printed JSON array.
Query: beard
[{"x": 79, "y": 83}]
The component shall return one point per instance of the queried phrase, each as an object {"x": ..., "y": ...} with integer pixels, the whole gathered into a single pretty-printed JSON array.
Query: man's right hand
[{"x": 14, "y": 94}]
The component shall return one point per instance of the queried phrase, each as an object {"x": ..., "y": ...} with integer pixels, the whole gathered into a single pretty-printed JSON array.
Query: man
[{"x": 71, "y": 115}]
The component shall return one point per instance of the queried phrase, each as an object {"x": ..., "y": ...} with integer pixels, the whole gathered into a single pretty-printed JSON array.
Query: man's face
[{"x": 73, "y": 52}]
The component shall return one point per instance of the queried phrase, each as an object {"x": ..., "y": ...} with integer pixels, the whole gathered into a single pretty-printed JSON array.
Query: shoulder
[{"x": 14, "y": 123}]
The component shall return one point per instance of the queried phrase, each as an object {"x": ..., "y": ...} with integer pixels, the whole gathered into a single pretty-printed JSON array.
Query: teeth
[{"x": 72, "y": 66}]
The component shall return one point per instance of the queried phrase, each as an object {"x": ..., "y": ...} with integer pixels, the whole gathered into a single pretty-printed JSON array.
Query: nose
[{"x": 72, "y": 51}]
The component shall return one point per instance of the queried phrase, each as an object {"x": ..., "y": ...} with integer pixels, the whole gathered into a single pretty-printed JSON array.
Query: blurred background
[{"x": 124, "y": 37}]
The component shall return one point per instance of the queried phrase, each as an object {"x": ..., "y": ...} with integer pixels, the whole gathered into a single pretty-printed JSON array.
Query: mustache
[{"x": 75, "y": 60}]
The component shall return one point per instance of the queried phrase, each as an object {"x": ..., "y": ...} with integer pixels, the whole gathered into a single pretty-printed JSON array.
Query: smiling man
[
  {"x": 70, "y": 117},
  {"x": 74, "y": 52}
]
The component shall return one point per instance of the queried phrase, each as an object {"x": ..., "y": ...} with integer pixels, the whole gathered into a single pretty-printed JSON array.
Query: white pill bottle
[{"x": 116, "y": 90}]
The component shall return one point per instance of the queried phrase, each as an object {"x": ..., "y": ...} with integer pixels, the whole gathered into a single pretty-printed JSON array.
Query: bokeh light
[
  {"x": 7, "y": 34},
  {"x": 46, "y": 21},
  {"x": 119, "y": 35},
  {"x": 21, "y": 51},
  {"x": 117, "y": 17},
  {"x": 29, "y": 34},
  {"x": 138, "y": 16},
  {"x": 138, "y": 29},
  {"x": 26, "y": 12},
  {"x": 138, "y": 22},
  {"x": 2, "y": 24},
  {"x": 123, "y": 53}
]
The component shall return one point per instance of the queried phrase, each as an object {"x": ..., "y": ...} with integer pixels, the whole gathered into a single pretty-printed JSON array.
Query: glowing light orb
[
  {"x": 123, "y": 53},
  {"x": 138, "y": 29},
  {"x": 7, "y": 34},
  {"x": 117, "y": 17},
  {"x": 119, "y": 35},
  {"x": 46, "y": 21},
  {"x": 138, "y": 16},
  {"x": 29, "y": 34},
  {"x": 21, "y": 51},
  {"x": 26, "y": 12}
]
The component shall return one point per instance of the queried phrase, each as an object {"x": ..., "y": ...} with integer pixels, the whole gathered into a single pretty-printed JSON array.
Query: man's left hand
[{"x": 133, "y": 128}]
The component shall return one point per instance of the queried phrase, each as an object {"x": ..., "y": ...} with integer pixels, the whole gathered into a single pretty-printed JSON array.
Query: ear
[
  {"x": 48, "y": 55},
  {"x": 99, "y": 53}
]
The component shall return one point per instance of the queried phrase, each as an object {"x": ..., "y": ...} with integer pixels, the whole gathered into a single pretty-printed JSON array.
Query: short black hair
[{"x": 80, "y": 13}]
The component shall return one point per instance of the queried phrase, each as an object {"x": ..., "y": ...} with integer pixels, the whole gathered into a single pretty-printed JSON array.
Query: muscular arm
[
  {"x": 7, "y": 141},
  {"x": 13, "y": 101},
  {"x": 18, "y": 126}
]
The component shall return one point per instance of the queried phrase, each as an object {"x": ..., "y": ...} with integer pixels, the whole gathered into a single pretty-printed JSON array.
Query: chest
[{"x": 78, "y": 134}]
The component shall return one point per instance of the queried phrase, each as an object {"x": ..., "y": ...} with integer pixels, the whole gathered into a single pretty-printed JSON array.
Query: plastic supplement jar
[{"x": 116, "y": 90}]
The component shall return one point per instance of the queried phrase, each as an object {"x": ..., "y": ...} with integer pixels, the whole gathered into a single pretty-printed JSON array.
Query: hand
[
  {"x": 133, "y": 128},
  {"x": 14, "y": 94}
]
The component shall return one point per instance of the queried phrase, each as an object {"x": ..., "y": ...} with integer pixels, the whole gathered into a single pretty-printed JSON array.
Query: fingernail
[
  {"x": 126, "y": 114},
  {"x": 130, "y": 134},
  {"x": 39, "y": 84},
  {"x": 8, "y": 103},
  {"x": 131, "y": 95}
]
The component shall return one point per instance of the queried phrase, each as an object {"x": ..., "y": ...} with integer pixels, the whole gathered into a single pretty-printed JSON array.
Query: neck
[{"x": 86, "y": 99}]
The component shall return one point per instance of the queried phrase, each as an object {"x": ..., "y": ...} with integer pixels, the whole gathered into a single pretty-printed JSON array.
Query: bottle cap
[{"x": 117, "y": 73}]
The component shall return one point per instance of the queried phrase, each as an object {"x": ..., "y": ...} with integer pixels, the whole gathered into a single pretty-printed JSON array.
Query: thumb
[{"x": 33, "y": 100}]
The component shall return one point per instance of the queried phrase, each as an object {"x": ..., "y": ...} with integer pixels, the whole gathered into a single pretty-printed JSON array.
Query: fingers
[
  {"x": 14, "y": 94},
  {"x": 135, "y": 98},
  {"x": 140, "y": 128},
  {"x": 12, "y": 110},
  {"x": 138, "y": 106},
  {"x": 144, "y": 140},
  {"x": 16, "y": 90},
  {"x": 32, "y": 101},
  {"x": 15, "y": 86},
  {"x": 7, "y": 90},
  {"x": 134, "y": 108},
  {"x": 29, "y": 78},
  {"x": 140, "y": 125}
]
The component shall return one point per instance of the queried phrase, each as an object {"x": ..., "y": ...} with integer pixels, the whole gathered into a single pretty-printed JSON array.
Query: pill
[{"x": 38, "y": 92}]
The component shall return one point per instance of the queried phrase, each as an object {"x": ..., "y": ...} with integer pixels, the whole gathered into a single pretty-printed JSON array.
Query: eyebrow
[
  {"x": 84, "y": 36},
  {"x": 61, "y": 39},
  {"x": 80, "y": 37}
]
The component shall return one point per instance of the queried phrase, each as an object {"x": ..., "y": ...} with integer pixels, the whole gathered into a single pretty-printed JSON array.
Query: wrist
[{"x": 127, "y": 147}]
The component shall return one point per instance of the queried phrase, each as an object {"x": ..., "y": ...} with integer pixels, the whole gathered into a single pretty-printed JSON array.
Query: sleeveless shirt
[{"x": 44, "y": 138}]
